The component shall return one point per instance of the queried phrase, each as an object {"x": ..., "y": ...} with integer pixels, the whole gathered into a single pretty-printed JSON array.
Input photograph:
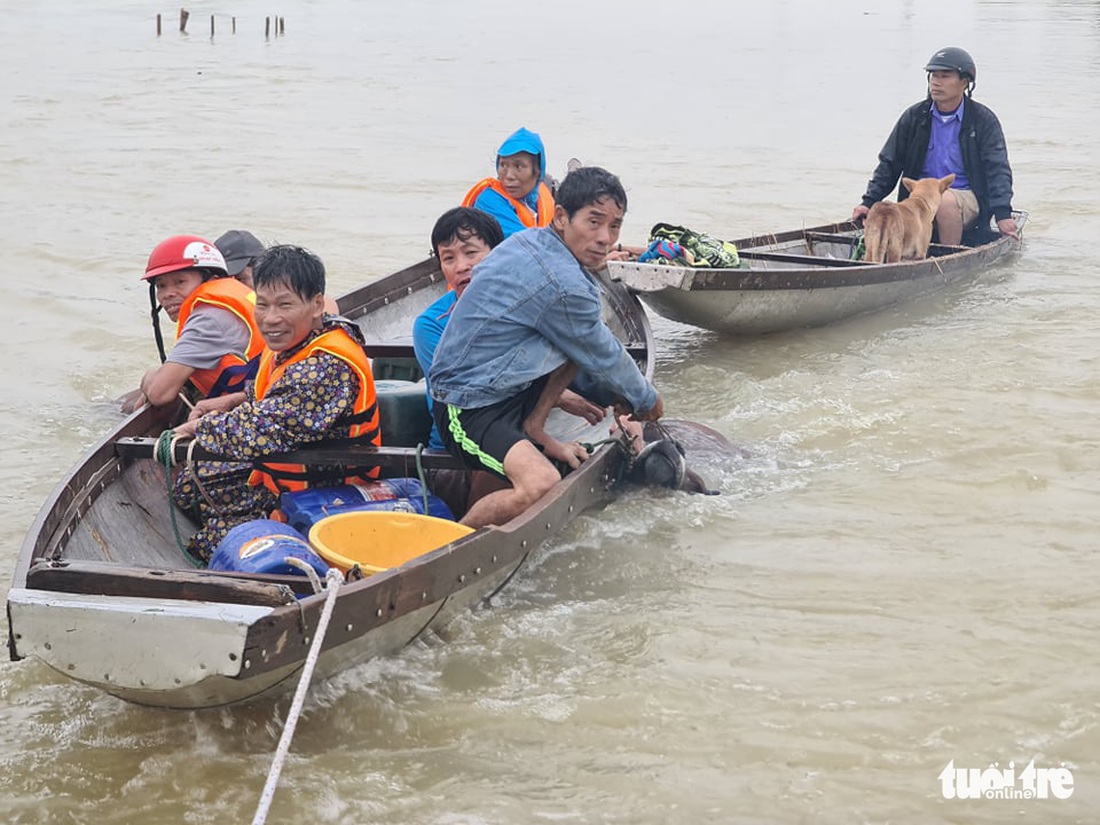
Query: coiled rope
[
  {"x": 334, "y": 580},
  {"x": 164, "y": 451}
]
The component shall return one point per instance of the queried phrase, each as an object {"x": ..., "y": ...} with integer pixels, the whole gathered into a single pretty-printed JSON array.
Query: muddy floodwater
[{"x": 897, "y": 584}]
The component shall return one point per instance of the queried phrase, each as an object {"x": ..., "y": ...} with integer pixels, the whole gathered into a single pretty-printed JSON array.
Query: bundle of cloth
[{"x": 679, "y": 246}]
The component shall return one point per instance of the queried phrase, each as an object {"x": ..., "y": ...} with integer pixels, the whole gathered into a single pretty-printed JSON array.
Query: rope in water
[
  {"x": 334, "y": 579},
  {"x": 665, "y": 433},
  {"x": 669, "y": 437}
]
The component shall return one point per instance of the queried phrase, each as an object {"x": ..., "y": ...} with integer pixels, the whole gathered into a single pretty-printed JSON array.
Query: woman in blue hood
[{"x": 518, "y": 196}]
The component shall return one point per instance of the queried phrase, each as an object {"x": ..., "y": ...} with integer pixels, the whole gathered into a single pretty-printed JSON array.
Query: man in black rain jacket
[{"x": 949, "y": 132}]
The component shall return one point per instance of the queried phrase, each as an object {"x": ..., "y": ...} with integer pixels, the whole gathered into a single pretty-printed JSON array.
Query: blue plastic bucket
[
  {"x": 305, "y": 508},
  {"x": 262, "y": 546}
]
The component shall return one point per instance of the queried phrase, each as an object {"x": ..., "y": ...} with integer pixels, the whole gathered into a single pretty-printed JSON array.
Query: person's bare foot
[{"x": 572, "y": 165}]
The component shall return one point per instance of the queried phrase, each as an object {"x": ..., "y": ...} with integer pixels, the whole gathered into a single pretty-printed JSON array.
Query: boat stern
[{"x": 153, "y": 651}]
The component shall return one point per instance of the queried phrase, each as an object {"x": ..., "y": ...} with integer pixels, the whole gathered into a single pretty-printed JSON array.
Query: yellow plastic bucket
[{"x": 377, "y": 540}]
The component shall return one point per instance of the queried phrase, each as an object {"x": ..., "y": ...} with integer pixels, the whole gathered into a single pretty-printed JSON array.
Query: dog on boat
[{"x": 894, "y": 232}]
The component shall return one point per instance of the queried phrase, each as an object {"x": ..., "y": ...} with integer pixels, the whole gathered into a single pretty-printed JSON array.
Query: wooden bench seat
[
  {"x": 103, "y": 578},
  {"x": 790, "y": 258}
]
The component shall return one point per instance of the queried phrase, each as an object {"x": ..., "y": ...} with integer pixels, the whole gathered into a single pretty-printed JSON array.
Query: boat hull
[
  {"x": 785, "y": 288},
  {"x": 182, "y": 654}
]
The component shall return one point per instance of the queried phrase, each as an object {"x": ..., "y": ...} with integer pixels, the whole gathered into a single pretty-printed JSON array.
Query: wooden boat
[
  {"x": 802, "y": 278},
  {"x": 103, "y": 594}
]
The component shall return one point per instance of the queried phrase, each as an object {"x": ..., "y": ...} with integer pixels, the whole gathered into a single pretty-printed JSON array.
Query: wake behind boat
[
  {"x": 103, "y": 593},
  {"x": 802, "y": 278}
]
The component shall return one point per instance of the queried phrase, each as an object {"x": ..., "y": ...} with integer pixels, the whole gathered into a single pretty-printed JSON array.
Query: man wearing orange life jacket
[
  {"x": 313, "y": 384},
  {"x": 518, "y": 196},
  {"x": 345, "y": 343},
  {"x": 217, "y": 341}
]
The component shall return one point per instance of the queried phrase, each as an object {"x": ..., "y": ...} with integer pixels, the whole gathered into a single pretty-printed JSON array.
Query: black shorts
[
  {"x": 453, "y": 486},
  {"x": 482, "y": 436}
]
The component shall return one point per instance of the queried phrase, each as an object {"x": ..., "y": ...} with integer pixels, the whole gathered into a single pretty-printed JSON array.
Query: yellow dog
[{"x": 902, "y": 231}]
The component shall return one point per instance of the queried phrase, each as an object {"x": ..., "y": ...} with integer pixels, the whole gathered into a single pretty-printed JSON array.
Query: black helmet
[{"x": 953, "y": 59}]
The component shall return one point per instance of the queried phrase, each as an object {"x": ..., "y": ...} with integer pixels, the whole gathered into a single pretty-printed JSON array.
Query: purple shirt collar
[{"x": 957, "y": 114}]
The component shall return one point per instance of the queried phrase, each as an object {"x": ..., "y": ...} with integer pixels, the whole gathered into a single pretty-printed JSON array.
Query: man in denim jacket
[{"x": 527, "y": 326}]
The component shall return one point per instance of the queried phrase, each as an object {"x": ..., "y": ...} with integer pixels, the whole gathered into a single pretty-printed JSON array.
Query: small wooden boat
[
  {"x": 103, "y": 594},
  {"x": 802, "y": 278}
]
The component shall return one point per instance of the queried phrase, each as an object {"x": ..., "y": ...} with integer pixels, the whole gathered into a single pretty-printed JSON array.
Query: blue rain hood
[{"x": 524, "y": 140}]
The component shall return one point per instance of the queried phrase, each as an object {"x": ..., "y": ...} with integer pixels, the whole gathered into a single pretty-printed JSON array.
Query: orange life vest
[
  {"x": 528, "y": 218},
  {"x": 233, "y": 371},
  {"x": 363, "y": 424}
]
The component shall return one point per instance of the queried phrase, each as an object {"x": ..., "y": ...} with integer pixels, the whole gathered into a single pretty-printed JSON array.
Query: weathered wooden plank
[
  {"x": 380, "y": 349},
  {"x": 831, "y": 237},
  {"x": 108, "y": 579},
  {"x": 389, "y": 458},
  {"x": 934, "y": 250},
  {"x": 809, "y": 260}
]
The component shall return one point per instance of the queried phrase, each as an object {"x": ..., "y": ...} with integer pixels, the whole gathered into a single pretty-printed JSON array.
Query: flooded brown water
[{"x": 898, "y": 576}]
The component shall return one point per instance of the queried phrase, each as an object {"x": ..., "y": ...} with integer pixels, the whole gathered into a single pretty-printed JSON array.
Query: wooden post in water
[
  {"x": 158, "y": 25},
  {"x": 282, "y": 25},
  {"x": 184, "y": 14},
  {"x": 267, "y": 27},
  {"x": 211, "y": 25},
  {"x": 234, "y": 25}
]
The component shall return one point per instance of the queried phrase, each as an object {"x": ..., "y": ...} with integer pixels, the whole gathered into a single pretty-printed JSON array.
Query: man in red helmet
[
  {"x": 217, "y": 341},
  {"x": 950, "y": 133}
]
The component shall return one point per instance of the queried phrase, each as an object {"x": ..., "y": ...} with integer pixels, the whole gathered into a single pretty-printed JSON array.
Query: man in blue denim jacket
[{"x": 527, "y": 326}]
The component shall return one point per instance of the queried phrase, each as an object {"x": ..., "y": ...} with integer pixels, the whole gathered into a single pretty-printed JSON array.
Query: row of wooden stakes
[{"x": 280, "y": 24}]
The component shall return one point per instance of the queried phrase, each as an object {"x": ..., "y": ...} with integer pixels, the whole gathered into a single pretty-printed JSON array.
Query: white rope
[
  {"x": 176, "y": 439},
  {"x": 334, "y": 579},
  {"x": 306, "y": 568}
]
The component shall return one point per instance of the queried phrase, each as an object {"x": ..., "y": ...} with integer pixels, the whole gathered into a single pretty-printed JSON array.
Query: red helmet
[{"x": 185, "y": 252}]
